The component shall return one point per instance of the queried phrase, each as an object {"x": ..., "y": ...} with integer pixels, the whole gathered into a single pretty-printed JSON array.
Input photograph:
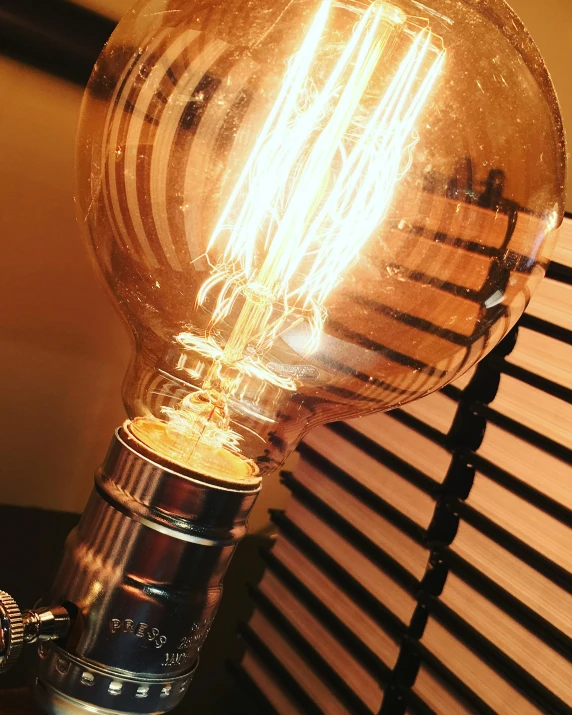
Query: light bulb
[
  {"x": 290, "y": 202},
  {"x": 307, "y": 210},
  {"x": 272, "y": 193}
]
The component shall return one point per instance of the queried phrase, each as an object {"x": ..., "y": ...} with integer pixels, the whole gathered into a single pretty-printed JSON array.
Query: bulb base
[{"x": 142, "y": 572}]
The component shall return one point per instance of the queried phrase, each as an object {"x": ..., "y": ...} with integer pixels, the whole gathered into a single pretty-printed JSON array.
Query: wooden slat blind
[{"x": 424, "y": 564}]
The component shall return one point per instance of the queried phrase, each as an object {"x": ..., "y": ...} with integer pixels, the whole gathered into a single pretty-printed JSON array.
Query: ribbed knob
[{"x": 11, "y": 631}]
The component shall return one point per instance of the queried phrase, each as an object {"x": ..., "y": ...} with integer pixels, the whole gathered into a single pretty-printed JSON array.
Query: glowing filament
[
  {"x": 318, "y": 181},
  {"x": 316, "y": 185}
]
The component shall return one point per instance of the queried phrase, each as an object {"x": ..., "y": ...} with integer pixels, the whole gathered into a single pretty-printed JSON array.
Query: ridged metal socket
[{"x": 143, "y": 571}]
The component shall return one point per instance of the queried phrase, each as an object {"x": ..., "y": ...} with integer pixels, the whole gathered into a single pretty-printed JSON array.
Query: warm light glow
[
  {"x": 316, "y": 185},
  {"x": 318, "y": 181},
  {"x": 311, "y": 211}
]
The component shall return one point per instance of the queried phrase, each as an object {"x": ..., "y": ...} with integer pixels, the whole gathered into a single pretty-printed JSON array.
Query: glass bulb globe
[{"x": 312, "y": 210}]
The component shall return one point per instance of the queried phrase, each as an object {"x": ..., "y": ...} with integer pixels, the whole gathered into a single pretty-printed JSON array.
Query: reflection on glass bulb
[{"x": 285, "y": 203}]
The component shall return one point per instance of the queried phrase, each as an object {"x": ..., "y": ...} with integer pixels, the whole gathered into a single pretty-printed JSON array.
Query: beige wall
[
  {"x": 550, "y": 24},
  {"x": 63, "y": 350}
]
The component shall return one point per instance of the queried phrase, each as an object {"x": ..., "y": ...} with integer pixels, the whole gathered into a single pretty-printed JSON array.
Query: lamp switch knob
[{"x": 11, "y": 631}]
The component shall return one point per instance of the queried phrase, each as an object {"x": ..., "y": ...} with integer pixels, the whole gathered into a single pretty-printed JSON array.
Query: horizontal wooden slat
[
  {"x": 523, "y": 647},
  {"x": 551, "y": 302},
  {"x": 523, "y": 520},
  {"x": 379, "y": 584},
  {"x": 544, "y": 356},
  {"x": 535, "y": 409},
  {"x": 475, "y": 673},
  {"x": 339, "y": 603},
  {"x": 531, "y": 465},
  {"x": 436, "y": 410},
  {"x": 440, "y": 697},
  {"x": 529, "y": 228},
  {"x": 405, "y": 443},
  {"x": 297, "y": 666},
  {"x": 338, "y": 658},
  {"x": 280, "y": 700},
  {"x": 516, "y": 287},
  {"x": 539, "y": 593},
  {"x": 375, "y": 476}
]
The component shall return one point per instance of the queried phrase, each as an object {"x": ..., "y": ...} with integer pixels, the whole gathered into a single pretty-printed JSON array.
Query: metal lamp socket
[{"x": 141, "y": 576}]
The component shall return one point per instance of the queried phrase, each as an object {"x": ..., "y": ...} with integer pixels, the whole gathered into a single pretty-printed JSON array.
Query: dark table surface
[{"x": 31, "y": 544}]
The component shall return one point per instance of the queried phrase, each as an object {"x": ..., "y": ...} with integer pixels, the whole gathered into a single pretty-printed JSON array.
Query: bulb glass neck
[{"x": 214, "y": 464}]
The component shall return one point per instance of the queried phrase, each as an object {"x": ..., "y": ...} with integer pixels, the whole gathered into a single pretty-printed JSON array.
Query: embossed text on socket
[{"x": 138, "y": 630}]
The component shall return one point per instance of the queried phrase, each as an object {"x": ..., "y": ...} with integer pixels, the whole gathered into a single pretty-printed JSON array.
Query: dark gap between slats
[
  {"x": 519, "y": 678},
  {"x": 447, "y": 286},
  {"x": 526, "y": 433},
  {"x": 356, "y": 537},
  {"x": 342, "y": 632},
  {"x": 263, "y": 705},
  {"x": 523, "y": 490},
  {"x": 454, "y": 393},
  {"x": 459, "y": 689},
  {"x": 506, "y": 601},
  {"x": 418, "y": 425},
  {"x": 337, "y": 366},
  {"x": 273, "y": 664},
  {"x": 520, "y": 263},
  {"x": 414, "y": 704},
  {"x": 560, "y": 273},
  {"x": 542, "y": 383},
  {"x": 546, "y": 328},
  {"x": 367, "y": 343},
  {"x": 341, "y": 690},
  {"x": 369, "y": 499},
  {"x": 412, "y": 321},
  {"x": 384, "y": 456},
  {"x": 418, "y": 705},
  {"x": 518, "y": 548},
  {"x": 368, "y": 603},
  {"x": 356, "y": 488}
]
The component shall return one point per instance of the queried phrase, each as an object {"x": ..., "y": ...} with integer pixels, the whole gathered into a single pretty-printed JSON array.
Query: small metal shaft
[
  {"x": 20, "y": 627},
  {"x": 46, "y": 624}
]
